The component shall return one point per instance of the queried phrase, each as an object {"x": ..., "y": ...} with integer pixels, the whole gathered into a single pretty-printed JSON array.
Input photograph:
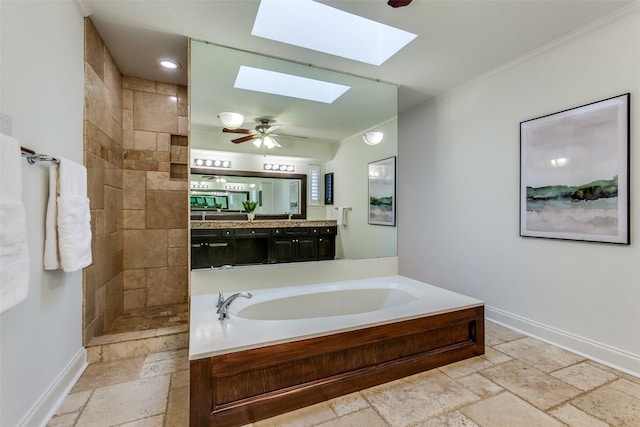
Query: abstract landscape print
[
  {"x": 382, "y": 192},
  {"x": 574, "y": 173}
]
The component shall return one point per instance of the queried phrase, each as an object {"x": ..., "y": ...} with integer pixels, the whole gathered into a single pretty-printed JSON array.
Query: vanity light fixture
[
  {"x": 231, "y": 120},
  {"x": 373, "y": 138},
  {"x": 198, "y": 185},
  {"x": 169, "y": 64},
  {"x": 279, "y": 168},
  {"x": 213, "y": 163},
  {"x": 234, "y": 187}
]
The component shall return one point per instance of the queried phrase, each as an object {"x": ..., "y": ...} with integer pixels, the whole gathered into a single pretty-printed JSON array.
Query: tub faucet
[{"x": 223, "y": 304}]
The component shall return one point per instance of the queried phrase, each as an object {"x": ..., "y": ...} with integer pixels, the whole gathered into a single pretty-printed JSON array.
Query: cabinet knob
[{"x": 253, "y": 231}]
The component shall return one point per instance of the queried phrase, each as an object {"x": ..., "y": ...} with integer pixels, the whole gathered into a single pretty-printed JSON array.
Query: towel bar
[{"x": 33, "y": 157}]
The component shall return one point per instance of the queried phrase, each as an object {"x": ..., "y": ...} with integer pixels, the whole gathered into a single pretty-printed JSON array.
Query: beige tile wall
[
  {"x": 155, "y": 208},
  {"x": 103, "y": 281},
  {"x": 139, "y": 214}
]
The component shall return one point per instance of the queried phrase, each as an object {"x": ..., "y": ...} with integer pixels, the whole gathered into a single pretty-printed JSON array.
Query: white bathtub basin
[
  {"x": 286, "y": 314},
  {"x": 324, "y": 304}
]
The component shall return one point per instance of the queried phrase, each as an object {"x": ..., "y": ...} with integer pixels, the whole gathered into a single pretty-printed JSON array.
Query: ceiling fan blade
[
  {"x": 243, "y": 131},
  {"x": 243, "y": 139},
  {"x": 290, "y": 136},
  {"x": 272, "y": 128},
  {"x": 398, "y": 3}
]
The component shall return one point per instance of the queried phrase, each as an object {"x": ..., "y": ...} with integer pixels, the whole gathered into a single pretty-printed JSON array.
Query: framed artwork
[
  {"x": 574, "y": 173},
  {"x": 382, "y": 192},
  {"x": 294, "y": 197},
  {"x": 328, "y": 188}
]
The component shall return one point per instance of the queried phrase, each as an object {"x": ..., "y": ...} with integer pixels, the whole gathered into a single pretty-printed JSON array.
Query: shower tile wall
[
  {"x": 138, "y": 214},
  {"x": 155, "y": 208},
  {"x": 103, "y": 281}
]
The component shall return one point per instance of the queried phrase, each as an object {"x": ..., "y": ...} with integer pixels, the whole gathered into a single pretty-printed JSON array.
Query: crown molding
[{"x": 83, "y": 7}]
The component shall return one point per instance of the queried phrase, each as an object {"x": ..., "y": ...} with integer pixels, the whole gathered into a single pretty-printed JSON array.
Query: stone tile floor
[
  {"x": 156, "y": 317},
  {"x": 520, "y": 381}
]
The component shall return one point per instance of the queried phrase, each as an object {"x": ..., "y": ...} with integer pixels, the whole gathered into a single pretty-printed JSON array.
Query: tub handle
[{"x": 220, "y": 300}]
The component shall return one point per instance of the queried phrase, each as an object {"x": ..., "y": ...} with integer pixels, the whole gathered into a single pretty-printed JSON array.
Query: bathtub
[{"x": 290, "y": 347}]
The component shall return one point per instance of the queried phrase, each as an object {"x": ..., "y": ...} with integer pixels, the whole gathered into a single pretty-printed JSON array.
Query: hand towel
[
  {"x": 51, "y": 252},
  {"x": 14, "y": 253},
  {"x": 340, "y": 216},
  {"x": 74, "y": 217}
]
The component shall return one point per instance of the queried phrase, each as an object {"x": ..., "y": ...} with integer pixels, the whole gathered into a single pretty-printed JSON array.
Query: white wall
[
  {"x": 42, "y": 91},
  {"x": 459, "y": 174},
  {"x": 350, "y": 181}
]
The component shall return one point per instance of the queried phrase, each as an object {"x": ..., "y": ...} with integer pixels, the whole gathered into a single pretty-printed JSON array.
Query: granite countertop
[{"x": 270, "y": 223}]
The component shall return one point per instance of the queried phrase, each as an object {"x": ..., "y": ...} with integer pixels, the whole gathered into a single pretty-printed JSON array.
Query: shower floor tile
[{"x": 146, "y": 318}]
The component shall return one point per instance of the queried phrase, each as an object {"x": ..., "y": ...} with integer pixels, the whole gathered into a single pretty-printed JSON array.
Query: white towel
[
  {"x": 340, "y": 216},
  {"x": 14, "y": 253},
  {"x": 51, "y": 252},
  {"x": 74, "y": 217}
]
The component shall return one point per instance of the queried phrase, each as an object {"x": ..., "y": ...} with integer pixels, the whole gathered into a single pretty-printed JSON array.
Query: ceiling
[{"x": 457, "y": 39}]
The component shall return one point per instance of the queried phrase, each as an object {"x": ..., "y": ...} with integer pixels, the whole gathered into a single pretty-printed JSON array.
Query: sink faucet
[
  {"x": 223, "y": 304},
  {"x": 290, "y": 215}
]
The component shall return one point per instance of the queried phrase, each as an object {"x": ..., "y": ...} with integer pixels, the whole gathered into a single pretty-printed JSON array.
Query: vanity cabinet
[
  {"x": 212, "y": 248},
  {"x": 245, "y": 246},
  {"x": 295, "y": 245}
]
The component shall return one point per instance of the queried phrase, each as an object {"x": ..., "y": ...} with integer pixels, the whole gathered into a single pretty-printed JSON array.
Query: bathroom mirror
[
  {"x": 328, "y": 134},
  {"x": 222, "y": 194}
]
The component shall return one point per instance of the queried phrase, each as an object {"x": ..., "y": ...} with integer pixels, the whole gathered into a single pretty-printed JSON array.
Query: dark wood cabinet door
[
  {"x": 307, "y": 249},
  {"x": 326, "y": 247},
  {"x": 281, "y": 250},
  {"x": 199, "y": 254}
]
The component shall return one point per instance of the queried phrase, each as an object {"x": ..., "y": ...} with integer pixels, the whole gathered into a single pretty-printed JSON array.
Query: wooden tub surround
[{"x": 241, "y": 387}]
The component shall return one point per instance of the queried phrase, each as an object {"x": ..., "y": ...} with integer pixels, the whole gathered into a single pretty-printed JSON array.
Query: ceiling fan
[{"x": 262, "y": 135}]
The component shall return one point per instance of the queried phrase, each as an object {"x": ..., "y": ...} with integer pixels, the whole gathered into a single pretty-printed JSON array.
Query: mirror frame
[{"x": 231, "y": 216}]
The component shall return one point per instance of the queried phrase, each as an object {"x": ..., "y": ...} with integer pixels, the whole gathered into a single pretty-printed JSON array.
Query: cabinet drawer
[
  {"x": 298, "y": 231},
  {"x": 253, "y": 232},
  {"x": 204, "y": 233},
  {"x": 226, "y": 233},
  {"x": 332, "y": 231}
]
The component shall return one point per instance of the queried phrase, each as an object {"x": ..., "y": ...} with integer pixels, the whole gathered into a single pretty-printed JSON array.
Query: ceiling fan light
[
  {"x": 270, "y": 142},
  {"x": 257, "y": 142},
  {"x": 231, "y": 120},
  {"x": 373, "y": 138}
]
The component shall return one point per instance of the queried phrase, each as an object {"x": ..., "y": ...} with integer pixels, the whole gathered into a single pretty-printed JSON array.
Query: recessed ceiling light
[
  {"x": 276, "y": 83},
  {"x": 312, "y": 25},
  {"x": 169, "y": 64}
]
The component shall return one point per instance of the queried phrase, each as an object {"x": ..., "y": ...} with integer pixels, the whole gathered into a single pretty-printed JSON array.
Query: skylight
[
  {"x": 276, "y": 83},
  {"x": 316, "y": 26}
]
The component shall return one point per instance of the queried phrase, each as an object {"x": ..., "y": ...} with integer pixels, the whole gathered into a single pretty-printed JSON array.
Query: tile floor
[
  {"x": 156, "y": 317},
  {"x": 518, "y": 382}
]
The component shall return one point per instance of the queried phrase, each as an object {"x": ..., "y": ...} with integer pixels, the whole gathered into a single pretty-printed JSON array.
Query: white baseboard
[
  {"x": 46, "y": 407},
  {"x": 601, "y": 353}
]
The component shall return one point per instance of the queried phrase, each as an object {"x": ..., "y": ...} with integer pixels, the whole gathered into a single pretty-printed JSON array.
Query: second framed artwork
[
  {"x": 574, "y": 173},
  {"x": 382, "y": 192}
]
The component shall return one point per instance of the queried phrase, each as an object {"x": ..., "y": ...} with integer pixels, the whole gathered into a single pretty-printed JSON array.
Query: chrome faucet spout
[{"x": 223, "y": 304}]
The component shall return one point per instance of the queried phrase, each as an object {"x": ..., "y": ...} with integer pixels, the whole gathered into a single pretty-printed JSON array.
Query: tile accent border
[
  {"x": 601, "y": 353},
  {"x": 47, "y": 405}
]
